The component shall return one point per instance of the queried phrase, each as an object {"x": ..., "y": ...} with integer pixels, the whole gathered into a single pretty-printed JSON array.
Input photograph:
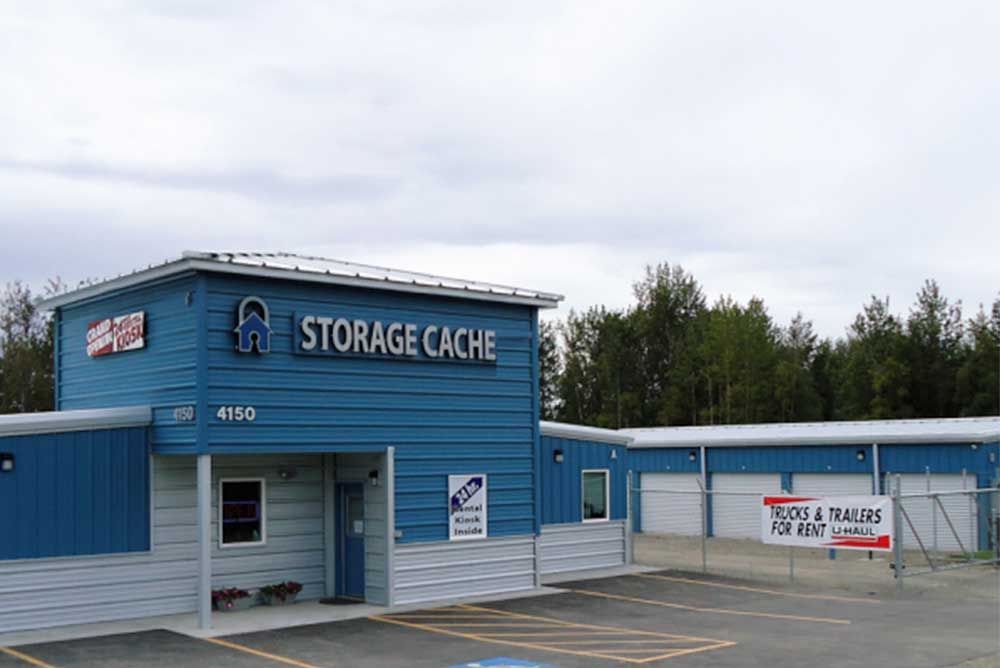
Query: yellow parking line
[
  {"x": 27, "y": 658},
  {"x": 694, "y": 650},
  {"x": 565, "y": 631},
  {"x": 599, "y": 628},
  {"x": 719, "y": 611},
  {"x": 256, "y": 652},
  {"x": 721, "y": 585}
]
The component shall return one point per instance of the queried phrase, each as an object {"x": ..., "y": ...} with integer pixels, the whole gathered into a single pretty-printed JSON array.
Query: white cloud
[{"x": 809, "y": 155}]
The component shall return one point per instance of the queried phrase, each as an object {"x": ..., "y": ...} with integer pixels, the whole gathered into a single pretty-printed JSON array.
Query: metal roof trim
[
  {"x": 582, "y": 433},
  {"x": 276, "y": 266},
  {"x": 942, "y": 431},
  {"x": 51, "y": 422}
]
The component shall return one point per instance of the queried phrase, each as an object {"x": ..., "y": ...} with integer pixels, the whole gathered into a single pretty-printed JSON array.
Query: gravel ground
[{"x": 850, "y": 571}]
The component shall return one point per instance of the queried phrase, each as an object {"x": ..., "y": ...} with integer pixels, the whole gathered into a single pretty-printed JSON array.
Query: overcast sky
[{"x": 812, "y": 154}]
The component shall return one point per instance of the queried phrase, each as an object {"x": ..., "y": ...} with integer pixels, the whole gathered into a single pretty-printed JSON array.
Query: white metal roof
[
  {"x": 292, "y": 266},
  {"x": 956, "y": 430},
  {"x": 21, "y": 424},
  {"x": 580, "y": 432}
]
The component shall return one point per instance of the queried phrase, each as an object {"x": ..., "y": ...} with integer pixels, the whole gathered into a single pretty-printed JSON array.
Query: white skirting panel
[
  {"x": 458, "y": 569},
  {"x": 583, "y": 546}
]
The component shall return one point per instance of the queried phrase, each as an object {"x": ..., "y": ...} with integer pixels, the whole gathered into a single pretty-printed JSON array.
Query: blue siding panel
[
  {"x": 561, "y": 488},
  {"x": 443, "y": 417},
  {"x": 948, "y": 458},
  {"x": 161, "y": 375},
  {"x": 76, "y": 493}
]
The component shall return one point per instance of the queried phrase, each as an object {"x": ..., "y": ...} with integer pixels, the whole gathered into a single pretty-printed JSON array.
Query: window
[
  {"x": 595, "y": 495},
  {"x": 241, "y": 513}
]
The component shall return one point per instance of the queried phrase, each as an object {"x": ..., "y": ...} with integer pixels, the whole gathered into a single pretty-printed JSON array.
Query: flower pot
[
  {"x": 275, "y": 600},
  {"x": 235, "y": 605}
]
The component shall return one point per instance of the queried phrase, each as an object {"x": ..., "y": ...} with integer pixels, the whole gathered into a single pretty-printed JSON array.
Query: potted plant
[
  {"x": 281, "y": 593},
  {"x": 231, "y": 599}
]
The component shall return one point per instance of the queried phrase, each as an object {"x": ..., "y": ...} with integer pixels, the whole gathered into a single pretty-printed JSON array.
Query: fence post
[
  {"x": 973, "y": 539},
  {"x": 704, "y": 525},
  {"x": 629, "y": 558},
  {"x": 930, "y": 499},
  {"x": 897, "y": 530}
]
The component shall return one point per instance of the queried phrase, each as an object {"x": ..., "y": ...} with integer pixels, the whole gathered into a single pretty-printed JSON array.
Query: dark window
[
  {"x": 242, "y": 504},
  {"x": 595, "y": 495}
]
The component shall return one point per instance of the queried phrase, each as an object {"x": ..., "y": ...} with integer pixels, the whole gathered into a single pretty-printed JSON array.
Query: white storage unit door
[
  {"x": 832, "y": 484},
  {"x": 739, "y": 516},
  {"x": 922, "y": 513},
  {"x": 665, "y": 512}
]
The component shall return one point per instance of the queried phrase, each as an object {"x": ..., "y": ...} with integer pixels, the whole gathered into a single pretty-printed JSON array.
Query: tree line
[{"x": 672, "y": 359}]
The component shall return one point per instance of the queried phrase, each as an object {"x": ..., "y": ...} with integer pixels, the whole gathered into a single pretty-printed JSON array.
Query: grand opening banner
[{"x": 842, "y": 522}]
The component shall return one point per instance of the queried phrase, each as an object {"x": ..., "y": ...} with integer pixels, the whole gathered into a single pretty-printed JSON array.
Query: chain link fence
[{"x": 680, "y": 525}]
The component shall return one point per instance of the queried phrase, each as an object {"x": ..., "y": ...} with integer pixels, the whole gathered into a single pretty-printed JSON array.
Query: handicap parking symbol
[{"x": 503, "y": 662}]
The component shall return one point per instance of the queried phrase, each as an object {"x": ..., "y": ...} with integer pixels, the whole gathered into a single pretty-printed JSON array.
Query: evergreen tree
[
  {"x": 976, "y": 387},
  {"x": 935, "y": 351},
  {"x": 26, "y": 377},
  {"x": 549, "y": 369}
]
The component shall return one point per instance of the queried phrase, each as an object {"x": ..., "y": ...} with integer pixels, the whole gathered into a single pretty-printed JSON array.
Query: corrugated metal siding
[
  {"x": 664, "y": 460},
  {"x": 295, "y": 546},
  {"x": 40, "y": 593},
  {"x": 562, "y": 500},
  {"x": 671, "y": 503},
  {"x": 738, "y": 516},
  {"x": 463, "y": 569},
  {"x": 800, "y": 459},
  {"x": 53, "y": 592},
  {"x": 923, "y": 513},
  {"x": 442, "y": 417},
  {"x": 161, "y": 375},
  {"x": 75, "y": 493},
  {"x": 832, "y": 484},
  {"x": 947, "y": 458},
  {"x": 577, "y": 547}
]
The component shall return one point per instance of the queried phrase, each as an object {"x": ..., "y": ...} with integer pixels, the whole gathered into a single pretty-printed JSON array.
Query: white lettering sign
[
  {"x": 467, "y": 506},
  {"x": 842, "y": 522},
  {"x": 317, "y": 334}
]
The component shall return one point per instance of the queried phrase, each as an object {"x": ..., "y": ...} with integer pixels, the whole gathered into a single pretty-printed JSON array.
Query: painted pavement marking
[
  {"x": 256, "y": 652},
  {"x": 27, "y": 658},
  {"x": 555, "y": 635},
  {"x": 774, "y": 592},
  {"x": 716, "y": 611}
]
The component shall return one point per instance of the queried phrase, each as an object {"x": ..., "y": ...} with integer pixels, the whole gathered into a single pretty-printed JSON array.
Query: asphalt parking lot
[{"x": 658, "y": 619}]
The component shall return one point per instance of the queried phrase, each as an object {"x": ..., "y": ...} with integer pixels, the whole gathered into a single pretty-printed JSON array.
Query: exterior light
[
  {"x": 860, "y": 455},
  {"x": 373, "y": 477},
  {"x": 6, "y": 462},
  {"x": 557, "y": 456},
  {"x": 692, "y": 455},
  {"x": 614, "y": 454},
  {"x": 287, "y": 473},
  {"x": 975, "y": 446}
]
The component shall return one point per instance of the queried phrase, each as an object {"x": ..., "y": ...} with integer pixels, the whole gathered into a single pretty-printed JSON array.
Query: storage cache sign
[
  {"x": 467, "y": 506},
  {"x": 842, "y": 522}
]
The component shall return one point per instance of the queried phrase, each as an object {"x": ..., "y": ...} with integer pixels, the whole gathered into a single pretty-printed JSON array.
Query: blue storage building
[
  {"x": 243, "y": 419},
  {"x": 237, "y": 420}
]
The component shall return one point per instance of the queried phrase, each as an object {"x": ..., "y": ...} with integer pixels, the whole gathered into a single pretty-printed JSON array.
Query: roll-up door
[
  {"x": 670, "y": 503},
  {"x": 738, "y": 515},
  {"x": 832, "y": 484},
  {"x": 923, "y": 513}
]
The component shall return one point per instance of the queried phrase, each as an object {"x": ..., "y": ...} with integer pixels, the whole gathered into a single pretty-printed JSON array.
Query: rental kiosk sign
[
  {"x": 467, "y": 506},
  {"x": 842, "y": 522}
]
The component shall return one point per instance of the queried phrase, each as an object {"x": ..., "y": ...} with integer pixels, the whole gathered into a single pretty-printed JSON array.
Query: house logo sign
[{"x": 253, "y": 329}]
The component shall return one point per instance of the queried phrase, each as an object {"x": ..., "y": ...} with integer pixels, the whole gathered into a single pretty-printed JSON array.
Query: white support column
[
  {"x": 390, "y": 525},
  {"x": 204, "y": 542},
  {"x": 329, "y": 525},
  {"x": 876, "y": 474}
]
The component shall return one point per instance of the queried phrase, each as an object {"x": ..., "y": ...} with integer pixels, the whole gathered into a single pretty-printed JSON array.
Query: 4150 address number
[{"x": 236, "y": 413}]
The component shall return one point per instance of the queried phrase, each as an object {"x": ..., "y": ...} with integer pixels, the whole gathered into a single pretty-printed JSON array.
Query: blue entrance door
[{"x": 351, "y": 538}]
